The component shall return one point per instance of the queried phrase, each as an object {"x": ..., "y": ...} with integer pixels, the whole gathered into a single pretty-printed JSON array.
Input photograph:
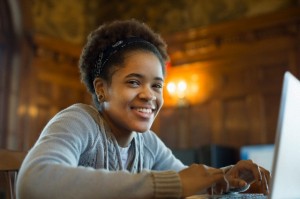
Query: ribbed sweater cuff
[{"x": 167, "y": 184}]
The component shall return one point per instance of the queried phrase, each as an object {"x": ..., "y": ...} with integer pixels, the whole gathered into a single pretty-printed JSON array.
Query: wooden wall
[
  {"x": 51, "y": 84},
  {"x": 6, "y": 51},
  {"x": 238, "y": 67}
]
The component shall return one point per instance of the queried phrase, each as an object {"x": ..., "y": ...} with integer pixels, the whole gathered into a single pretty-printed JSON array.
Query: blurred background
[{"x": 223, "y": 84}]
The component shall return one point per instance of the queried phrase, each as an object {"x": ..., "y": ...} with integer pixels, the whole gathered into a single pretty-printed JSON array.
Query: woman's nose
[{"x": 147, "y": 94}]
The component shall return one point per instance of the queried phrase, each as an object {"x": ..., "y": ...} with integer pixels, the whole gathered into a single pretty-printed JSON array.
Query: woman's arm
[{"x": 51, "y": 169}]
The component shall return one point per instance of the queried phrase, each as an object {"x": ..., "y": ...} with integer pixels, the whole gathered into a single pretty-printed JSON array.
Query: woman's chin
[{"x": 142, "y": 129}]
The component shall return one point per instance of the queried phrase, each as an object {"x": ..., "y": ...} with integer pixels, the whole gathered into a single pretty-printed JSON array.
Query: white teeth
[{"x": 144, "y": 110}]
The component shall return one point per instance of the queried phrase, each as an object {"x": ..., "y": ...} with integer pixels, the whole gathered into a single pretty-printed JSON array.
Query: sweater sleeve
[
  {"x": 166, "y": 179},
  {"x": 163, "y": 158},
  {"x": 51, "y": 169}
]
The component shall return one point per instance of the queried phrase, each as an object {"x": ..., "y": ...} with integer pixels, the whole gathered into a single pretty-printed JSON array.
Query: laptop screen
[{"x": 286, "y": 167}]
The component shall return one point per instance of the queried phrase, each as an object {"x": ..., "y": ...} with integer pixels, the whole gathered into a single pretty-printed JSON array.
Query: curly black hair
[{"x": 107, "y": 35}]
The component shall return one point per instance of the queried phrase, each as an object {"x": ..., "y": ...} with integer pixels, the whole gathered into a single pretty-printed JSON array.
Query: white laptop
[
  {"x": 285, "y": 182},
  {"x": 286, "y": 163}
]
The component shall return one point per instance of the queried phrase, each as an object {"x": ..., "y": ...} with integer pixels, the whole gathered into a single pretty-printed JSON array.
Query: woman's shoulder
[
  {"x": 79, "y": 109},
  {"x": 76, "y": 115},
  {"x": 82, "y": 107},
  {"x": 79, "y": 120}
]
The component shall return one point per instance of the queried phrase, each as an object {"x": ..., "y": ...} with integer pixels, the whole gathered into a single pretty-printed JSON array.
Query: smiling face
[{"x": 134, "y": 96}]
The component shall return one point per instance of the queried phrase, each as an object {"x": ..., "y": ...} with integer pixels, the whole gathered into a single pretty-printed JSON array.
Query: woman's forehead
[{"x": 142, "y": 63}]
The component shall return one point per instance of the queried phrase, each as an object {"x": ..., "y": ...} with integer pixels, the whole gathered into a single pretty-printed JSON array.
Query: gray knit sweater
[{"x": 76, "y": 156}]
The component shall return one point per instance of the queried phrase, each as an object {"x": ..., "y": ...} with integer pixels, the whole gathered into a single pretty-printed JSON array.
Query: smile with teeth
[{"x": 144, "y": 110}]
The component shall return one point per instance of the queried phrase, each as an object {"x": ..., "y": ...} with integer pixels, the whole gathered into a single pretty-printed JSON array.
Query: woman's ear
[{"x": 100, "y": 87}]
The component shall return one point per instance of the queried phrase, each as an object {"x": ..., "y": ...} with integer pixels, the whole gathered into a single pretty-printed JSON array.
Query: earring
[{"x": 100, "y": 98}]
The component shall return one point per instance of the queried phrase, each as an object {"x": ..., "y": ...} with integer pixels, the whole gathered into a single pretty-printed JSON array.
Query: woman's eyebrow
[
  {"x": 134, "y": 75},
  {"x": 137, "y": 75},
  {"x": 159, "y": 79}
]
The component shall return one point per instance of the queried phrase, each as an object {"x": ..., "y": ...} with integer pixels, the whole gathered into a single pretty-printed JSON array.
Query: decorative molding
[
  {"x": 202, "y": 41},
  {"x": 56, "y": 50}
]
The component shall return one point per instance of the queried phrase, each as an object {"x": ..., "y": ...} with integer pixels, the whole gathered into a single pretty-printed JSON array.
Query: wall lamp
[{"x": 179, "y": 91}]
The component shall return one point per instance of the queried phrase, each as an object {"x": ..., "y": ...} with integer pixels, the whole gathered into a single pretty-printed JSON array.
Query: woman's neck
[
  {"x": 123, "y": 140},
  {"x": 123, "y": 137}
]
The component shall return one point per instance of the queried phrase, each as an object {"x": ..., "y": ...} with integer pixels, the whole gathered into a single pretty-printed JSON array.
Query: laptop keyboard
[
  {"x": 239, "y": 196},
  {"x": 231, "y": 196}
]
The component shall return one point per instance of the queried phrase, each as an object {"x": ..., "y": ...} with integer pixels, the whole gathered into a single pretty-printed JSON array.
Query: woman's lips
[{"x": 144, "y": 112}]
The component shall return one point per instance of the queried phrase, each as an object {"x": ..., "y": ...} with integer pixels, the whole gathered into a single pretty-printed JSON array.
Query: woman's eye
[
  {"x": 133, "y": 83},
  {"x": 158, "y": 86}
]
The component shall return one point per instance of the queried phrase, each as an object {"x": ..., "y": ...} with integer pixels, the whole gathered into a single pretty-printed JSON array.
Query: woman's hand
[
  {"x": 246, "y": 173},
  {"x": 199, "y": 178}
]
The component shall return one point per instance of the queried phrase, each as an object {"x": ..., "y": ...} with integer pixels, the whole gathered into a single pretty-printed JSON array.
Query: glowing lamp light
[
  {"x": 187, "y": 86},
  {"x": 181, "y": 86},
  {"x": 177, "y": 89},
  {"x": 171, "y": 87}
]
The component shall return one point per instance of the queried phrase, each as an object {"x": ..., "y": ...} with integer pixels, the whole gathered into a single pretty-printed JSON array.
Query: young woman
[{"x": 108, "y": 150}]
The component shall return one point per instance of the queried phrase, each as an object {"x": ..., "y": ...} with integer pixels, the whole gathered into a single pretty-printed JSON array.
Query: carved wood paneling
[
  {"x": 8, "y": 51},
  {"x": 199, "y": 117},
  {"x": 242, "y": 65},
  {"x": 53, "y": 84}
]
